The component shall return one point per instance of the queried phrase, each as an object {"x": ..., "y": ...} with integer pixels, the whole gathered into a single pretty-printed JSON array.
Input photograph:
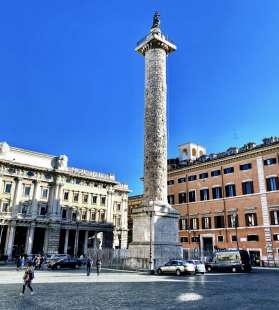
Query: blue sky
[{"x": 71, "y": 83}]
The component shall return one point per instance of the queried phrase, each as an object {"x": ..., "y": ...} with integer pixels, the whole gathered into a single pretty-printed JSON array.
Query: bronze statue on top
[{"x": 156, "y": 20}]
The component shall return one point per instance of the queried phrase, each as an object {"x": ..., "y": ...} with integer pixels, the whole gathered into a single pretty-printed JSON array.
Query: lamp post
[{"x": 234, "y": 222}]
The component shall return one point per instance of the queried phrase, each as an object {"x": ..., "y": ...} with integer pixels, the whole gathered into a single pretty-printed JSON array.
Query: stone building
[
  {"x": 48, "y": 207},
  {"x": 214, "y": 192}
]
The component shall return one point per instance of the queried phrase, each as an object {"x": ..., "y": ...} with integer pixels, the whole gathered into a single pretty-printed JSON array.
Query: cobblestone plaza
[{"x": 131, "y": 290}]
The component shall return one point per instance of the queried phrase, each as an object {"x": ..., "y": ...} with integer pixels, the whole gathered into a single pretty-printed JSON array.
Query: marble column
[
  {"x": 10, "y": 239},
  {"x": 164, "y": 243},
  {"x": 35, "y": 199},
  {"x": 16, "y": 197},
  {"x": 66, "y": 241},
  {"x": 45, "y": 248},
  {"x": 85, "y": 245},
  {"x": 29, "y": 239},
  {"x": 76, "y": 242},
  {"x": 109, "y": 205}
]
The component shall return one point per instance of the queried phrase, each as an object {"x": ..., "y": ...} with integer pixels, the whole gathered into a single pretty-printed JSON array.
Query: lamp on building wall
[{"x": 234, "y": 224}]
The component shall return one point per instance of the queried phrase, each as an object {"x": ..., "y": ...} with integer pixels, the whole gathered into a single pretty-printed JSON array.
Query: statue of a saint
[{"x": 156, "y": 20}]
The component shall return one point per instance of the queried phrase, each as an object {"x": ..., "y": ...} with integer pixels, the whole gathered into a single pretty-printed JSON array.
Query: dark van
[{"x": 230, "y": 260}]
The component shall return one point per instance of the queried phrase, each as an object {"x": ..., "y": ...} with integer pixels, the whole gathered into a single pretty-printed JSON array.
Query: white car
[
  {"x": 199, "y": 266},
  {"x": 178, "y": 267}
]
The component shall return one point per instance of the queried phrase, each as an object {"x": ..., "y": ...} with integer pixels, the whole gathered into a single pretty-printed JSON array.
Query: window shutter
[
  {"x": 268, "y": 185},
  {"x": 277, "y": 183},
  {"x": 203, "y": 222},
  {"x": 247, "y": 219},
  {"x": 255, "y": 219}
]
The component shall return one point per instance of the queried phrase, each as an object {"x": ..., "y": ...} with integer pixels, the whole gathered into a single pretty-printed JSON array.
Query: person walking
[
  {"x": 18, "y": 262},
  {"x": 27, "y": 279},
  {"x": 98, "y": 266},
  {"x": 88, "y": 265},
  {"x": 22, "y": 262}
]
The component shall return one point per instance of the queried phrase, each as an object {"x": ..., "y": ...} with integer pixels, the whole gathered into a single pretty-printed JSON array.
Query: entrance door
[
  {"x": 207, "y": 245},
  {"x": 255, "y": 257}
]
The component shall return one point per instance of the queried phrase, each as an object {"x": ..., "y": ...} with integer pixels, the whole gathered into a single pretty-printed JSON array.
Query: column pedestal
[
  {"x": 158, "y": 242},
  {"x": 10, "y": 240},
  {"x": 30, "y": 238}
]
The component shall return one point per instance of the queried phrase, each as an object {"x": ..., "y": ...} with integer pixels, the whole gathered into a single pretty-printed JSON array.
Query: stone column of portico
[
  {"x": 85, "y": 245},
  {"x": 35, "y": 199},
  {"x": 29, "y": 239},
  {"x": 45, "y": 248},
  {"x": 66, "y": 241},
  {"x": 109, "y": 205},
  {"x": 76, "y": 242},
  {"x": 16, "y": 197},
  {"x": 10, "y": 239},
  {"x": 155, "y": 223}
]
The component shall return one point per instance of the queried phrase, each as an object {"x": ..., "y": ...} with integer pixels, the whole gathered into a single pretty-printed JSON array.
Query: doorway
[
  {"x": 255, "y": 257},
  {"x": 207, "y": 245}
]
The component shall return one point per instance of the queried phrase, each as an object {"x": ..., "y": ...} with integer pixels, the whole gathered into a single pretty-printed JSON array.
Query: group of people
[
  {"x": 38, "y": 261},
  {"x": 89, "y": 264}
]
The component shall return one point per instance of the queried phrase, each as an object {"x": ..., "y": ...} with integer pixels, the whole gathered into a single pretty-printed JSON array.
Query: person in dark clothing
[
  {"x": 17, "y": 263},
  {"x": 88, "y": 265},
  {"x": 27, "y": 279},
  {"x": 98, "y": 266}
]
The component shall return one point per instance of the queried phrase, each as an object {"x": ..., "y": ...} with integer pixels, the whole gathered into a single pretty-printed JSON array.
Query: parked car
[
  {"x": 69, "y": 262},
  {"x": 51, "y": 257},
  {"x": 231, "y": 260},
  {"x": 178, "y": 267},
  {"x": 199, "y": 266}
]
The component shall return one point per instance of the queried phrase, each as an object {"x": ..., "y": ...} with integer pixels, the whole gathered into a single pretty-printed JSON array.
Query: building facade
[
  {"x": 228, "y": 200},
  {"x": 48, "y": 207}
]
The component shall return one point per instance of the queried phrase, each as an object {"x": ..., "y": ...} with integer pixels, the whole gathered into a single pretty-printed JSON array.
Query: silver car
[{"x": 178, "y": 267}]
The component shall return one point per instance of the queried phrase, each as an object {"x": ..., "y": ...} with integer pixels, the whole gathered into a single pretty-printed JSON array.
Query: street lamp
[{"x": 234, "y": 222}]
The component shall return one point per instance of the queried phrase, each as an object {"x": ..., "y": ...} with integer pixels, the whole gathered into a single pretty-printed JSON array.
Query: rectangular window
[
  {"x": 64, "y": 213},
  {"x": 182, "y": 224},
  {"x": 94, "y": 200},
  {"x": 44, "y": 193},
  {"x": 195, "y": 239},
  {"x": 182, "y": 198},
  {"x": 93, "y": 216},
  {"x": 76, "y": 197},
  {"x": 203, "y": 175},
  {"x": 274, "y": 217},
  {"x": 24, "y": 208},
  {"x": 228, "y": 170},
  {"x": 230, "y": 190},
  {"x": 66, "y": 196},
  {"x": 184, "y": 239},
  {"x": 219, "y": 221},
  {"x": 5, "y": 205},
  {"x": 171, "y": 199},
  {"x": 234, "y": 238},
  {"x": 204, "y": 193},
  {"x": 74, "y": 216},
  {"x": 232, "y": 221},
  {"x": 170, "y": 182},
  {"x": 220, "y": 238},
  {"x": 26, "y": 190},
  {"x": 247, "y": 166},
  {"x": 192, "y": 178},
  {"x": 276, "y": 237},
  {"x": 206, "y": 222},
  {"x": 215, "y": 173},
  {"x": 118, "y": 207},
  {"x": 272, "y": 184},
  {"x": 252, "y": 238},
  {"x": 217, "y": 192},
  {"x": 43, "y": 209},
  {"x": 270, "y": 161},
  {"x": 85, "y": 198},
  {"x": 194, "y": 223},
  {"x": 192, "y": 196},
  {"x": 83, "y": 215},
  {"x": 251, "y": 219},
  {"x": 103, "y": 201},
  {"x": 247, "y": 188},
  {"x": 8, "y": 188},
  {"x": 181, "y": 180}
]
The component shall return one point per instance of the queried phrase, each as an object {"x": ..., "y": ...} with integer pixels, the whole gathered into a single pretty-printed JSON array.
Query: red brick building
[{"x": 214, "y": 193}]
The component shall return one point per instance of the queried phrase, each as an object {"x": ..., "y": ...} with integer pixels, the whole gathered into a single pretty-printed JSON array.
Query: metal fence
[{"x": 111, "y": 258}]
